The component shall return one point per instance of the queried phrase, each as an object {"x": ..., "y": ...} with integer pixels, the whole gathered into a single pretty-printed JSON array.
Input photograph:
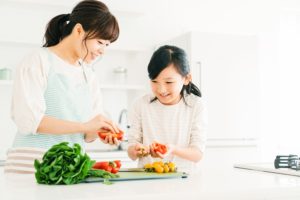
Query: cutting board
[
  {"x": 128, "y": 176},
  {"x": 267, "y": 167}
]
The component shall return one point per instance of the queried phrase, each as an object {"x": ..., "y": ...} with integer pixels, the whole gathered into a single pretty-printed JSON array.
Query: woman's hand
[
  {"x": 109, "y": 139},
  {"x": 97, "y": 124}
]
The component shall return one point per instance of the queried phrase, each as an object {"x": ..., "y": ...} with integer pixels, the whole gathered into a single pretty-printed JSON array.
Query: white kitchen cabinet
[{"x": 225, "y": 68}]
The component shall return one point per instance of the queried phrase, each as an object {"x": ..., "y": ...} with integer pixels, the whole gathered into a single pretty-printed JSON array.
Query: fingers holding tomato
[{"x": 108, "y": 137}]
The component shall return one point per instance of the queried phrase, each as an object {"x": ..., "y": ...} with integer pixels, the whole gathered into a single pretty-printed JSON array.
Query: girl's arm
[
  {"x": 131, "y": 152},
  {"x": 189, "y": 153}
]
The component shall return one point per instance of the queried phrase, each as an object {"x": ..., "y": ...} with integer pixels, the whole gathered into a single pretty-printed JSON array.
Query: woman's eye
[{"x": 169, "y": 82}]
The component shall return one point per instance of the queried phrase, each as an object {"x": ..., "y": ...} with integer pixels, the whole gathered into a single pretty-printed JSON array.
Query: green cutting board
[{"x": 127, "y": 176}]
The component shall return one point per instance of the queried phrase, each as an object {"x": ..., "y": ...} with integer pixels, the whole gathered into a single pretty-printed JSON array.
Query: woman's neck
[{"x": 65, "y": 50}]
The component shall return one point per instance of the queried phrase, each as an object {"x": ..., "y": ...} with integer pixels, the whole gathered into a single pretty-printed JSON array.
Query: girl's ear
[{"x": 187, "y": 79}]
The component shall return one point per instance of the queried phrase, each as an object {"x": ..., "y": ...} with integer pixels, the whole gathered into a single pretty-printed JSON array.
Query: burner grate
[{"x": 287, "y": 161}]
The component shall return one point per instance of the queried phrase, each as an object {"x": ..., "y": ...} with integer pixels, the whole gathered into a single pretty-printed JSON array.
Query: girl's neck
[{"x": 66, "y": 52}]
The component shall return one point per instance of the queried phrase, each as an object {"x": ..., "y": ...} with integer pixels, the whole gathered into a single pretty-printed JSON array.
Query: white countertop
[{"x": 229, "y": 183}]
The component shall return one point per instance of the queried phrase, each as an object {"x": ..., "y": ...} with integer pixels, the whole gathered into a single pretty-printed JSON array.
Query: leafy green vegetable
[{"x": 63, "y": 164}]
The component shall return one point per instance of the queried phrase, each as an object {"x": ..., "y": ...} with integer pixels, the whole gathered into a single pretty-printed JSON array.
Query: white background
[{"x": 148, "y": 23}]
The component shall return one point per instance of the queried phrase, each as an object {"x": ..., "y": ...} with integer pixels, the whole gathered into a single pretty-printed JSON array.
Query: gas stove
[{"x": 287, "y": 161}]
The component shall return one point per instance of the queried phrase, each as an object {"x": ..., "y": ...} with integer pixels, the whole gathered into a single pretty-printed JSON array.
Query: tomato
[
  {"x": 101, "y": 165},
  {"x": 166, "y": 169},
  {"x": 115, "y": 170},
  {"x": 110, "y": 166},
  {"x": 119, "y": 135},
  {"x": 118, "y": 163},
  {"x": 161, "y": 148}
]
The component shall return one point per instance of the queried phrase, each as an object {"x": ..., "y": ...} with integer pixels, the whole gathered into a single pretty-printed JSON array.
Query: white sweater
[{"x": 182, "y": 124}]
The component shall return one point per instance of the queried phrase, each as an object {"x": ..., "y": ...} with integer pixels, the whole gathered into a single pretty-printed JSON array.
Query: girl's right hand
[{"x": 141, "y": 150}]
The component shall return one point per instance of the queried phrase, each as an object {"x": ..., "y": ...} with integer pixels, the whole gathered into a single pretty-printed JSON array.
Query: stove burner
[{"x": 290, "y": 161}]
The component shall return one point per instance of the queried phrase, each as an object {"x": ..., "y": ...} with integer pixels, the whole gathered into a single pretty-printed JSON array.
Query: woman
[{"x": 56, "y": 96}]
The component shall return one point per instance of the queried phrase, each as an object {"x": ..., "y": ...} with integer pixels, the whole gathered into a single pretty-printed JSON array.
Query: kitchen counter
[{"x": 226, "y": 183}]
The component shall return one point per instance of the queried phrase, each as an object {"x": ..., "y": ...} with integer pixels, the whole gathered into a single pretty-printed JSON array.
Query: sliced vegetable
[
  {"x": 161, "y": 148},
  {"x": 119, "y": 135}
]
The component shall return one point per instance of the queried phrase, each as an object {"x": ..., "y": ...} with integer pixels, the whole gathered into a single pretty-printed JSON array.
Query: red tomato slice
[
  {"x": 119, "y": 135},
  {"x": 161, "y": 148}
]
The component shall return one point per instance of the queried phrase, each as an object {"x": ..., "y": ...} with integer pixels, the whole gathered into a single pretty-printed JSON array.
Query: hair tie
[{"x": 67, "y": 18}]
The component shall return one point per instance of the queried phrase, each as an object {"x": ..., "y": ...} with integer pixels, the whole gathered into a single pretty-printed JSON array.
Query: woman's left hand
[{"x": 109, "y": 139}]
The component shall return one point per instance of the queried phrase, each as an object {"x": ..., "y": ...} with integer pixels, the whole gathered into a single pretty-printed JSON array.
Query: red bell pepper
[{"x": 161, "y": 148}]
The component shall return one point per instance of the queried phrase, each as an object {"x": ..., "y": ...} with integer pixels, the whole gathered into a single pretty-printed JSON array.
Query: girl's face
[
  {"x": 93, "y": 48},
  {"x": 168, "y": 84}
]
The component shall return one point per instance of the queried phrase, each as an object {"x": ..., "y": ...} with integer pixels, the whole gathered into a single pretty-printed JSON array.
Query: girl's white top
[{"x": 183, "y": 124}]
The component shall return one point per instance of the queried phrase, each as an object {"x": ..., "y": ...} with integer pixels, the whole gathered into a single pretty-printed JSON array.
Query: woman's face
[
  {"x": 93, "y": 49},
  {"x": 167, "y": 85}
]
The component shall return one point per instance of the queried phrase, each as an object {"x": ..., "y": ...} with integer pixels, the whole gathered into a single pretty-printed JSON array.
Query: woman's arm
[{"x": 51, "y": 125}]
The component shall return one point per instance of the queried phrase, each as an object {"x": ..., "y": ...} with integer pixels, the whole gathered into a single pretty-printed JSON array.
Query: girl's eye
[
  {"x": 169, "y": 82},
  {"x": 154, "y": 81}
]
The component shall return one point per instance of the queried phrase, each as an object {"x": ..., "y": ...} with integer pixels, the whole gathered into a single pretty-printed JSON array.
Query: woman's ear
[
  {"x": 187, "y": 79},
  {"x": 78, "y": 30}
]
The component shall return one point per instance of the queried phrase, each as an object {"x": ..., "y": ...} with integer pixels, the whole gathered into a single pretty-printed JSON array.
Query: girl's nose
[{"x": 161, "y": 89}]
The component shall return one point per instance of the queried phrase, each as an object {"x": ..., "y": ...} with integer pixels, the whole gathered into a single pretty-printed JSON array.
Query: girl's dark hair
[
  {"x": 167, "y": 55},
  {"x": 93, "y": 15}
]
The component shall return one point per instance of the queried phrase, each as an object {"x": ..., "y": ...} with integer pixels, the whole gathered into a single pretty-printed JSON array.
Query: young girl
[
  {"x": 56, "y": 96},
  {"x": 173, "y": 115}
]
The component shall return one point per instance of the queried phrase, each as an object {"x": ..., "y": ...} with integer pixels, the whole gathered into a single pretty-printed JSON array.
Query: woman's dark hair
[
  {"x": 164, "y": 57},
  {"x": 93, "y": 15}
]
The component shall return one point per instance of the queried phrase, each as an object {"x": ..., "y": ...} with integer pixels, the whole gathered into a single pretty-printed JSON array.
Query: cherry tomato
[{"x": 118, "y": 163}]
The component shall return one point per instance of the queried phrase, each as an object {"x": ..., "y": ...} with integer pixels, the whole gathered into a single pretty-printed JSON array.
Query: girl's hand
[
  {"x": 141, "y": 150},
  {"x": 156, "y": 154}
]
